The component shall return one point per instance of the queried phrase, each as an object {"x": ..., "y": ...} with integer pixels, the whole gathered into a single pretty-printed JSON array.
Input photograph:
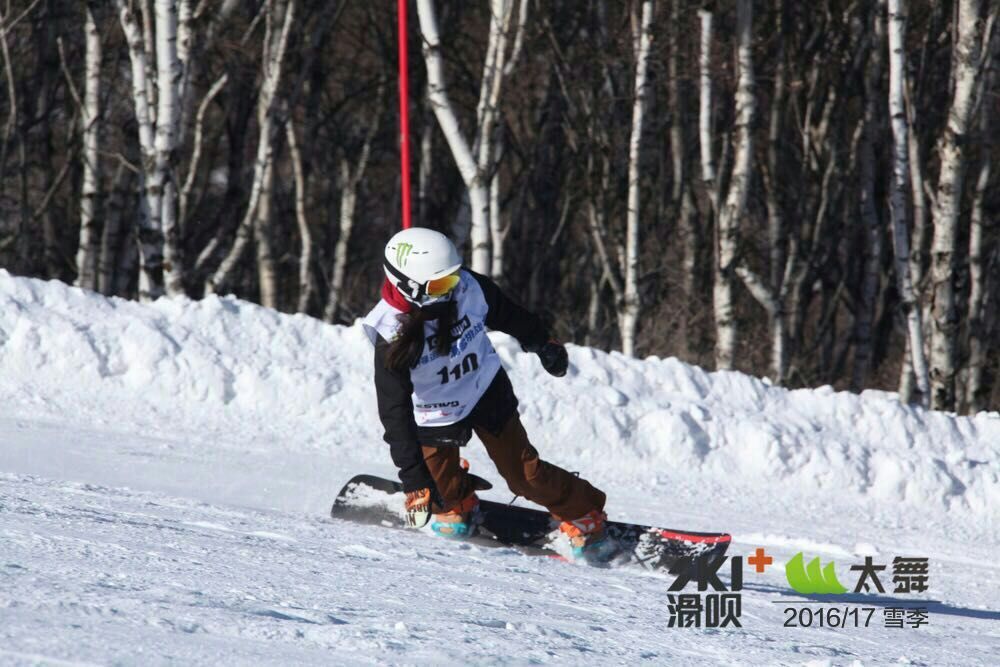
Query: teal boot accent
[
  {"x": 462, "y": 524},
  {"x": 458, "y": 530},
  {"x": 594, "y": 553}
]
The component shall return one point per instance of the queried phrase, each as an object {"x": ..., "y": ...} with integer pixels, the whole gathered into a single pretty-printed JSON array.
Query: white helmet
[{"x": 421, "y": 263}]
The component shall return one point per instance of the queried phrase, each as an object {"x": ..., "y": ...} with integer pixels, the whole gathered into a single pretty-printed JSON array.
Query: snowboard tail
[{"x": 369, "y": 500}]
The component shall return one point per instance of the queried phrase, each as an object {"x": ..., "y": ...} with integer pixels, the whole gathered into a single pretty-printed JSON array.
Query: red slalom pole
[{"x": 404, "y": 114}]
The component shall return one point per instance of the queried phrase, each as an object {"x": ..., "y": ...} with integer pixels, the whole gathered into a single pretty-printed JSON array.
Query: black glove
[{"x": 554, "y": 358}]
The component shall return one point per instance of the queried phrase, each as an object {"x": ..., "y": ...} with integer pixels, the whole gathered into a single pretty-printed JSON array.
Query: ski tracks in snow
[{"x": 107, "y": 575}]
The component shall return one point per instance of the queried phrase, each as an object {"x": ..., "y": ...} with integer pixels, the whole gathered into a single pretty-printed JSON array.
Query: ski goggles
[
  {"x": 441, "y": 286},
  {"x": 432, "y": 289}
]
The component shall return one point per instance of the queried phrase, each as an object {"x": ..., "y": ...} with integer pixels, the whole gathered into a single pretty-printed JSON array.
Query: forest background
[{"x": 798, "y": 190}]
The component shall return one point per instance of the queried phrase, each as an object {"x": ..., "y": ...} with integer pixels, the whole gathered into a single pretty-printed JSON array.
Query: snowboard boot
[
  {"x": 460, "y": 521},
  {"x": 588, "y": 537}
]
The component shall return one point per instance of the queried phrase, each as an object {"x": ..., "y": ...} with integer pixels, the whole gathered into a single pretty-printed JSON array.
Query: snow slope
[{"x": 166, "y": 470}]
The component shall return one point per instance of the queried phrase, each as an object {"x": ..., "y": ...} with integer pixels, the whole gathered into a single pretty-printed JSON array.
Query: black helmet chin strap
[{"x": 416, "y": 294}]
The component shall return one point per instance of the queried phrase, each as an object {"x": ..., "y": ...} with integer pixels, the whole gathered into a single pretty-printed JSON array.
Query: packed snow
[{"x": 166, "y": 472}]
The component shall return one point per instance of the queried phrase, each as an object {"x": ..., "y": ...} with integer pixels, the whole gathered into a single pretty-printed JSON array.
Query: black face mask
[{"x": 437, "y": 310}]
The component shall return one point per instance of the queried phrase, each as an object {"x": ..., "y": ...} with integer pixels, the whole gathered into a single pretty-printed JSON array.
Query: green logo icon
[
  {"x": 403, "y": 251},
  {"x": 810, "y": 578}
]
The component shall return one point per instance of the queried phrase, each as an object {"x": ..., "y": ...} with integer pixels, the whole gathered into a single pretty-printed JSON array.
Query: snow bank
[{"x": 221, "y": 366}]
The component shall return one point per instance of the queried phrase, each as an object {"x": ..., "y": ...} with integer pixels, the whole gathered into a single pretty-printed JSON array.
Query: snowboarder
[{"x": 438, "y": 379}]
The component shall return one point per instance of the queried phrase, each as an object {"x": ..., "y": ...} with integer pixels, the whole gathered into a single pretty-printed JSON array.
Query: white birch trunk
[
  {"x": 779, "y": 263},
  {"x": 349, "y": 183},
  {"x": 474, "y": 162},
  {"x": 185, "y": 22},
  {"x": 917, "y": 254},
  {"x": 306, "y": 283},
  {"x": 267, "y": 271},
  {"x": 148, "y": 43},
  {"x": 348, "y": 204},
  {"x": 498, "y": 233},
  {"x": 150, "y": 232},
  {"x": 87, "y": 253},
  {"x": 977, "y": 332},
  {"x": 274, "y": 55},
  {"x": 705, "y": 109},
  {"x": 425, "y": 167},
  {"x": 193, "y": 164},
  {"x": 629, "y": 312},
  {"x": 437, "y": 93},
  {"x": 168, "y": 79},
  {"x": 897, "y": 199},
  {"x": 736, "y": 199},
  {"x": 944, "y": 246}
]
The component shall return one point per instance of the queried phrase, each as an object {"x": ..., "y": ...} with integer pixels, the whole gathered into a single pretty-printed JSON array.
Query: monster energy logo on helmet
[{"x": 403, "y": 251}]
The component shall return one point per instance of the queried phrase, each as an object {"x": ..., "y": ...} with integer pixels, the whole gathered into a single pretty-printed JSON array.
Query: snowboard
[{"x": 373, "y": 500}]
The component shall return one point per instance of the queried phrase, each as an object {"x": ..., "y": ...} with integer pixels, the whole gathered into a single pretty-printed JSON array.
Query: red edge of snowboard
[{"x": 699, "y": 539}]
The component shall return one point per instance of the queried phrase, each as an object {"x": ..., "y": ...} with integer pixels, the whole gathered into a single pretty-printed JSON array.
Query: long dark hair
[{"x": 404, "y": 350}]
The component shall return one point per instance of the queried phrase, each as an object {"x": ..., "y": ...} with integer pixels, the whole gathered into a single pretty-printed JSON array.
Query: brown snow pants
[{"x": 564, "y": 494}]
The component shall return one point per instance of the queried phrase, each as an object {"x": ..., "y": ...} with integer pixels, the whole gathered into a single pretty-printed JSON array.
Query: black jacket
[{"x": 395, "y": 403}]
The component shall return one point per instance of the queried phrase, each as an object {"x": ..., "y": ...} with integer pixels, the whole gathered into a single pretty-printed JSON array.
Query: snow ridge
[{"x": 224, "y": 364}]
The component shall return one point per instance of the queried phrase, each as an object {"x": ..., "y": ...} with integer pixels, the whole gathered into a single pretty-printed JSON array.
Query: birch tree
[
  {"x": 629, "y": 318},
  {"x": 705, "y": 129},
  {"x": 275, "y": 45},
  {"x": 306, "y": 283},
  {"x": 150, "y": 229},
  {"x": 897, "y": 200},
  {"x": 349, "y": 179},
  {"x": 169, "y": 73},
  {"x": 977, "y": 328},
  {"x": 475, "y": 160},
  {"x": 156, "y": 76},
  {"x": 944, "y": 245},
  {"x": 732, "y": 211},
  {"x": 88, "y": 249},
  {"x": 683, "y": 200}
]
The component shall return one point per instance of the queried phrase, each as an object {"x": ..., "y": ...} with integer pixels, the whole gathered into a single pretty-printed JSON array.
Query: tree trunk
[
  {"x": 426, "y": 167},
  {"x": 348, "y": 205},
  {"x": 918, "y": 249},
  {"x": 977, "y": 336},
  {"x": 897, "y": 201},
  {"x": 629, "y": 313},
  {"x": 168, "y": 80},
  {"x": 112, "y": 232},
  {"x": 705, "y": 111},
  {"x": 267, "y": 271},
  {"x": 150, "y": 230},
  {"x": 777, "y": 231},
  {"x": 736, "y": 199},
  {"x": 682, "y": 200},
  {"x": 474, "y": 162},
  {"x": 871, "y": 225},
  {"x": 944, "y": 247},
  {"x": 498, "y": 233},
  {"x": 349, "y": 183},
  {"x": 306, "y": 283},
  {"x": 87, "y": 252},
  {"x": 275, "y": 45}
]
